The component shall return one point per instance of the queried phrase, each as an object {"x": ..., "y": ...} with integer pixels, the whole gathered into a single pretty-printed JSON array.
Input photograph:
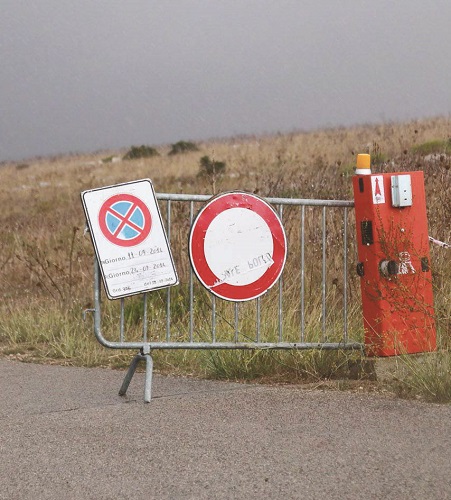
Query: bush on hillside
[
  {"x": 211, "y": 167},
  {"x": 136, "y": 152},
  {"x": 431, "y": 147},
  {"x": 182, "y": 147}
]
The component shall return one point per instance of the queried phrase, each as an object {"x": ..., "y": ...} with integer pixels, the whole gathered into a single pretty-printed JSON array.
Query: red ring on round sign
[
  {"x": 198, "y": 259},
  {"x": 135, "y": 203}
]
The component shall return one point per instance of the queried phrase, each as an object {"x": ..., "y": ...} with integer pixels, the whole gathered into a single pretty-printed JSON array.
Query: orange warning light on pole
[
  {"x": 394, "y": 261},
  {"x": 363, "y": 164}
]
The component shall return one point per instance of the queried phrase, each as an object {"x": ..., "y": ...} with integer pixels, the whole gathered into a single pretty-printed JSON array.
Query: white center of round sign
[{"x": 236, "y": 238}]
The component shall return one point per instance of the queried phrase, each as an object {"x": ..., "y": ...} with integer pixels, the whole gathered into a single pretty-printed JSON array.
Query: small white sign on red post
[
  {"x": 377, "y": 186},
  {"x": 237, "y": 246},
  {"x": 129, "y": 238}
]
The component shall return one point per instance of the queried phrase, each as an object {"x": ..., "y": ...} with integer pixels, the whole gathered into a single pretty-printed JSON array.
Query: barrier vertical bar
[
  {"x": 122, "y": 320},
  {"x": 97, "y": 297},
  {"x": 280, "y": 289},
  {"x": 213, "y": 318},
  {"x": 345, "y": 276},
  {"x": 145, "y": 317},
  {"x": 191, "y": 287},
  {"x": 323, "y": 277},
  {"x": 168, "y": 292},
  {"x": 257, "y": 339},
  {"x": 302, "y": 273},
  {"x": 236, "y": 321}
]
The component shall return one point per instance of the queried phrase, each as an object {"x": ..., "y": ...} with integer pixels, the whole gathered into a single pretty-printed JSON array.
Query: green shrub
[
  {"x": 182, "y": 147},
  {"x": 136, "y": 152},
  {"x": 211, "y": 167},
  {"x": 431, "y": 147}
]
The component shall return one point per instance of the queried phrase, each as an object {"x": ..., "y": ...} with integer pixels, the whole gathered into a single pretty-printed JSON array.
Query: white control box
[{"x": 401, "y": 191}]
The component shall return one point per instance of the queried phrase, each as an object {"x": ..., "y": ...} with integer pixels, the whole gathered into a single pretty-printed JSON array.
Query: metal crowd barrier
[{"x": 301, "y": 311}]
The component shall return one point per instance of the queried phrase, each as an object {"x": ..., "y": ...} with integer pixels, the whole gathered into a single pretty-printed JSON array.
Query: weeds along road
[{"x": 65, "y": 433}]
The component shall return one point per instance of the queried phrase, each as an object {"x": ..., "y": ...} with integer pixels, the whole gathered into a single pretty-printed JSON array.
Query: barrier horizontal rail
[{"x": 274, "y": 201}]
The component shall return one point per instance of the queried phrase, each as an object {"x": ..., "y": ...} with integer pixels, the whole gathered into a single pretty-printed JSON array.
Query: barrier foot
[{"x": 131, "y": 371}]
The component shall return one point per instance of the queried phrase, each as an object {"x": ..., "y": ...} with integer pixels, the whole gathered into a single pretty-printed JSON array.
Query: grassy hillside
[{"x": 46, "y": 260}]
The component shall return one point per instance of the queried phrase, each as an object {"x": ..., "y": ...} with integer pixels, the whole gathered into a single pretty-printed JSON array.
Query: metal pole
[
  {"x": 280, "y": 290},
  {"x": 145, "y": 317},
  {"x": 345, "y": 277},
  {"x": 236, "y": 322},
  {"x": 191, "y": 288},
  {"x": 168, "y": 292},
  {"x": 213, "y": 318},
  {"x": 323, "y": 279},
  {"x": 122, "y": 320},
  {"x": 258, "y": 319},
  {"x": 302, "y": 273}
]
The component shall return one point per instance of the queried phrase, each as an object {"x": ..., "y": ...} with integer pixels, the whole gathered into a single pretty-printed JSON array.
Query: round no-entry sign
[{"x": 237, "y": 246}]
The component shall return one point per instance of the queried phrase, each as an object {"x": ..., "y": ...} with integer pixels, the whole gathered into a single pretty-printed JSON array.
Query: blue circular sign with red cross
[{"x": 125, "y": 220}]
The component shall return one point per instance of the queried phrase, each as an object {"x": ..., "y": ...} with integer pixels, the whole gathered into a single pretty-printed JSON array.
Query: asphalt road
[{"x": 65, "y": 433}]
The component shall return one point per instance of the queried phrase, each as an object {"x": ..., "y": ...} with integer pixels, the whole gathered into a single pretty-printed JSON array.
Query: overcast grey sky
[{"x": 84, "y": 75}]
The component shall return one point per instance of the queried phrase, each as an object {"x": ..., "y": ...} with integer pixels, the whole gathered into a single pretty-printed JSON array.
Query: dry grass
[{"x": 46, "y": 261}]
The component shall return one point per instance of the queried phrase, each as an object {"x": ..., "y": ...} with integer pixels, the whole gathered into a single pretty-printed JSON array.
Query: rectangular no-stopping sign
[{"x": 129, "y": 238}]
